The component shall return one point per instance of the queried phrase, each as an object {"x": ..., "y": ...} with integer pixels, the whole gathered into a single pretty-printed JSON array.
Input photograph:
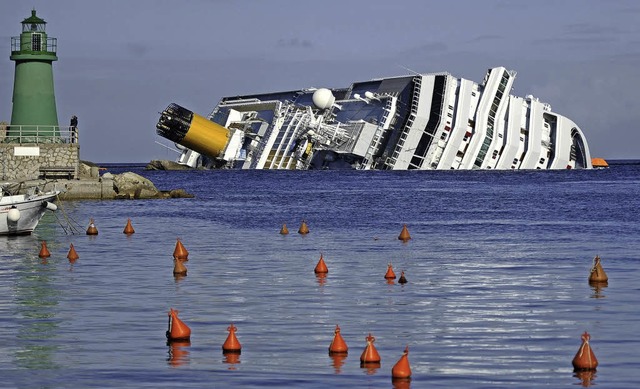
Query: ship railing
[
  {"x": 375, "y": 143},
  {"x": 417, "y": 86},
  {"x": 280, "y": 109},
  {"x": 287, "y": 134},
  {"x": 30, "y": 134}
]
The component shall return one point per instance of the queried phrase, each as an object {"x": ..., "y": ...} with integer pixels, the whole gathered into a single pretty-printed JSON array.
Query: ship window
[{"x": 449, "y": 114}]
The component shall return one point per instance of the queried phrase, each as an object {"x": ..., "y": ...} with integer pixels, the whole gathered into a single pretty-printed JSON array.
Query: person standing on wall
[{"x": 74, "y": 129}]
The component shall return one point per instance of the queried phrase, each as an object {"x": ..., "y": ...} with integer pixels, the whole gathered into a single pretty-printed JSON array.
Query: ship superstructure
[{"x": 420, "y": 121}]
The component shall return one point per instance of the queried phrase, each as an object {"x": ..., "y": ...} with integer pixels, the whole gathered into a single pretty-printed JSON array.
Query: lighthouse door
[{"x": 36, "y": 42}]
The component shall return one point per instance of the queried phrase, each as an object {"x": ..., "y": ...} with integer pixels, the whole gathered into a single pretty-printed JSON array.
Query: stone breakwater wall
[{"x": 30, "y": 161}]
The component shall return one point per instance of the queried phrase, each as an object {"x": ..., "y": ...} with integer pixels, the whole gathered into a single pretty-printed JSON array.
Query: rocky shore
[{"x": 91, "y": 186}]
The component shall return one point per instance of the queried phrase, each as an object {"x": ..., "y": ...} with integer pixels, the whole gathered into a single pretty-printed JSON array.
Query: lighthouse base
[{"x": 29, "y": 161}]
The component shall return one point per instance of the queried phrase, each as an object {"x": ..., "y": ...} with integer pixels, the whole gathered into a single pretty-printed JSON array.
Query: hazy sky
[{"x": 120, "y": 62}]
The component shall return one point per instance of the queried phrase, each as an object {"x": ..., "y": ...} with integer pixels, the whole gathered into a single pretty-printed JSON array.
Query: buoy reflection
[
  {"x": 401, "y": 383},
  {"x": 597, "y": 290},
  {"x": 231, "y": 359},
  {"x": 178, "y": 353},
  {"x": 585, "y": 377},
  {"x": 337, "y": 361},
  {"x": 321, "y": 278},
  {"x": 371, "y": 368}
]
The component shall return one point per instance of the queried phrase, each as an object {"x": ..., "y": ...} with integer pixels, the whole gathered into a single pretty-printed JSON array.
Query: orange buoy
[
  {"x": 179, "y": 269},
  {"x": 404, "y": 234},
  {"x": 304, "y": 229},
  {"x": 44, "y": 251},
  {"x": 370, "y": 354},
  {"x": 585, "y": 359},
  {"x": 180, "y": 252},
  {"x": 597, "y": 274},
  {"x": 338, "y": 345},
  {"x": 128, "y": 229},
  {"x": 321, "y": 267},
  {"x": 599, "y": 163},
  {"x": 402, "y": 369},
  {"x": 402, "y": 279},
  {"x": 92, "y": 230},
  {"x": 231, "y": 345},
  {"x": 72, "y": 256},
  {"x": 390, "y": 275},
  {"x": 284, "y": 230},
  {"x": 177, "y": 329}
]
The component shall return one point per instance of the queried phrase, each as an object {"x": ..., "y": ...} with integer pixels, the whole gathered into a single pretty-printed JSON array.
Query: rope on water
[{"x": 69, "y": 225}]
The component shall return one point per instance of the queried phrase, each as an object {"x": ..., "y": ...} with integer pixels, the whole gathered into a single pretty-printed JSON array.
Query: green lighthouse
[{"x": 34, "y": 118}]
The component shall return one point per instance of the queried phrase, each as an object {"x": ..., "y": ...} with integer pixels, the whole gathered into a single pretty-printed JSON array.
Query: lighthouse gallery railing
[{"x": 16, "y": 133}]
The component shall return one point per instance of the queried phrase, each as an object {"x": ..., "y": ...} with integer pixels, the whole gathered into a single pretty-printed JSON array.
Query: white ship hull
[{"x": 415, "y": 122}]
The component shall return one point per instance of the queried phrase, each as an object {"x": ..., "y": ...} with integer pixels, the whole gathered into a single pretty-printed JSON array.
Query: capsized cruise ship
[{"x": 419, "y": 121}]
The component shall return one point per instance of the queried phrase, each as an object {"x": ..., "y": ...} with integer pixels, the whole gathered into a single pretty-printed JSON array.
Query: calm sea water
[{"x": 497, "y": 293}]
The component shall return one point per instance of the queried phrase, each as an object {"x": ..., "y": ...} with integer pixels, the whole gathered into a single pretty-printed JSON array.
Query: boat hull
[{"x": 30, "y": 210}]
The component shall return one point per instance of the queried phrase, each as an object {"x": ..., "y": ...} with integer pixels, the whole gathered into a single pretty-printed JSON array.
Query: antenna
[
  {"x": 409, "y": 70},
  {"x": 168, "y": 147}
]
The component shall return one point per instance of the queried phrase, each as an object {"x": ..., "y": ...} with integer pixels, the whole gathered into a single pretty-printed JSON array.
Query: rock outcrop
[
  {"x": 109, "y": 186},
  {"x": 130, "y": 185},
  {"x": 161, "y": 164}
]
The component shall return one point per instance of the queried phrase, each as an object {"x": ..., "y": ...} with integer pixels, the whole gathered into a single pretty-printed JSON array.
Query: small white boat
[{"x": 20, "y": 214}]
